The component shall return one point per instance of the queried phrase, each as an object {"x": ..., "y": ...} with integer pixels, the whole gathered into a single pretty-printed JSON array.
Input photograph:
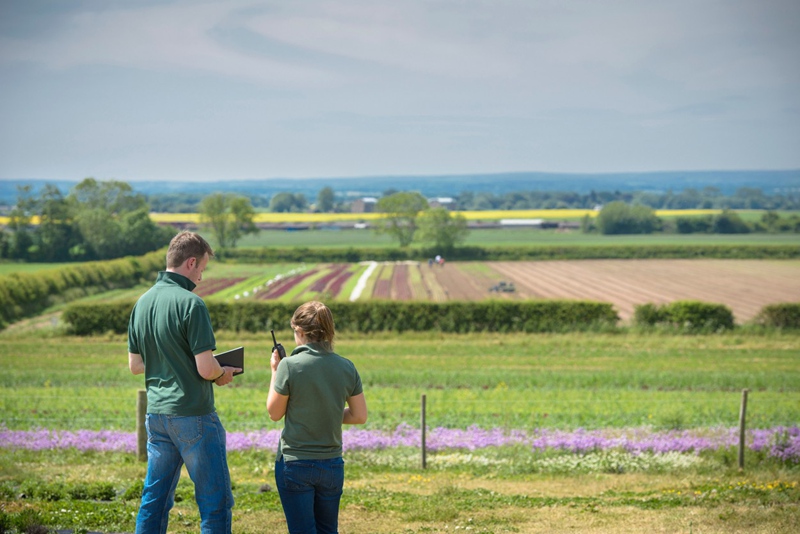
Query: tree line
[
  {"x": 706, "y": 198},
  {"x": 97, "y": 220},
  {"x": 409, "y": 219},
  {"x": 100, "y": 220},
  {"x": 621, "y": 218},
  {"x": 327, "y": 200}
]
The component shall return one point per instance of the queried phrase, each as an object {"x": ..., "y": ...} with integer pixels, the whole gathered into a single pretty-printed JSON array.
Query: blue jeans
[
  {"x": 199, "y": 442},
  {"x": 310, "y": 492}
]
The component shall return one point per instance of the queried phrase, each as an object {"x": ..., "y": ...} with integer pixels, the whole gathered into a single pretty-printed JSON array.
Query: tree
[
  {"x": 401, "y": 211},
  {"x": 98, "y": 208},
  {"x": 771, "y": 220},
  {"x": 56, "y": 234},
  {"x": 325, "y": 200},
  {"x": 100, "y": 233},
  {"x": 95, "y": 207},
  {"x": 228, "y": 216},
  {"x": 140, "y": 235},
  {"x": 588, "y": 225},
  {"x": 19, "y": 223},
  {"x": 288, "y": 202},
  {"x": 619, "y": 218},
  {"x": 441, "y": 228},
  {"x": 695, "y": 224},
  {"x": 111, "y": 196},
  {"x": 729, "y": 222}
]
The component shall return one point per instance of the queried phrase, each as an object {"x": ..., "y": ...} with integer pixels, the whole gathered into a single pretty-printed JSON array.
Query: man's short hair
[{"x": 187, "y": 245}]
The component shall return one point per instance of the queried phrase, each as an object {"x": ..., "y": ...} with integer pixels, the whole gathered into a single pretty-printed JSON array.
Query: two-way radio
[{"x": 277, "y": 346}]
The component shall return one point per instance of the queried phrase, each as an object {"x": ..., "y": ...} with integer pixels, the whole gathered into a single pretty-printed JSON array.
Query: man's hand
[{"x": 227, "y": 378}]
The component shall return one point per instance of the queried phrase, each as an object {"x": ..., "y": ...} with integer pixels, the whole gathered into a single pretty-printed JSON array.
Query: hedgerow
[
  {"x": 500, "y": 253},
  {"x": 688, "y": 315},
  {"x": 782, "y": 315},
  {"x": 27, "y": 294},
  {"x": 456, "y": 317}
]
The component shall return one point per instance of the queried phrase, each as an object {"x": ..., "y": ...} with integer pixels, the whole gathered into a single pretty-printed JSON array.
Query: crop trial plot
[{"x": 745, "y": 286}]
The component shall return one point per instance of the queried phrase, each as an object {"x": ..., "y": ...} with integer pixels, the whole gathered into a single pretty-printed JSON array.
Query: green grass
[
  {"x": 506, "y": 237},
  {"x": 515, "y": 381},
  {"x": 99, "y": 491}
]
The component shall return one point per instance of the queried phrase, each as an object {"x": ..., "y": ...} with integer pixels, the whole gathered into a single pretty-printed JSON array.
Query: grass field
[
  {"x": 554, "y": 382},
  {"x": 506, "y": 237},
  {"x": 581, "y": 385},
  {"x": 559, "y": 381},
  {"x": 482, "y": 237}
]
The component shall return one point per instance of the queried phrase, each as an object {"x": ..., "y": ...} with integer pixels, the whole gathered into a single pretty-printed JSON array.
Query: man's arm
[
  {"x": 210, "y": 369},
  {"x": 135, "y": 363}
]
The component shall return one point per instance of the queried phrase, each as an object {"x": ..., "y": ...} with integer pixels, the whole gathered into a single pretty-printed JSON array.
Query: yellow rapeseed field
[{"x": 488, "y": 215}]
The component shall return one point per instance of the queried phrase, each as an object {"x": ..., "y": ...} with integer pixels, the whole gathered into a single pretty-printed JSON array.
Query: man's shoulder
[{"x": 164, "y": 293}]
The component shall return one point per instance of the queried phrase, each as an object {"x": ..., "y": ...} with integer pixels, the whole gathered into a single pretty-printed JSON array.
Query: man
[{"x": 170, "y": 340}]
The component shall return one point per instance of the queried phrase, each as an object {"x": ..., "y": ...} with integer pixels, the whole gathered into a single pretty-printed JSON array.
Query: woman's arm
[
  {"x": 356, "y": 411},
  {"x": 276, "y": 403}
]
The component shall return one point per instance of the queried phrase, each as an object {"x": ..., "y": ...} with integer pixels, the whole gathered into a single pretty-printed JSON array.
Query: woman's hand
[{"x": 274, "y": 360}]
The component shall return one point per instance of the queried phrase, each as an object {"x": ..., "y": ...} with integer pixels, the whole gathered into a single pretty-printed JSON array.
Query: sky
[{"x": 237, "y": 90}]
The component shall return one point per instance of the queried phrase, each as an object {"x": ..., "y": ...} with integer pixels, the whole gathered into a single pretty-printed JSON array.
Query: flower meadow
[{"x": 781, "y": 443}]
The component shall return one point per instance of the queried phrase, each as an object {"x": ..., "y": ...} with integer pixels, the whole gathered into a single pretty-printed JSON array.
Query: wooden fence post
[
  {"x": 742, "y": 418},
  {"x": 141, "y": 431},
  {"x": 422, "y": 425}
]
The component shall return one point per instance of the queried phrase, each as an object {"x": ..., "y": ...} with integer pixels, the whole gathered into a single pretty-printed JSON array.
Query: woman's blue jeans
[
  {"x": 310, "y": 492},
  {"x": 198, "y": 442}
]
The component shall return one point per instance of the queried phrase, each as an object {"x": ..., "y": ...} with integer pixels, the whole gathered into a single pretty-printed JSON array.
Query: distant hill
[{"x": 770, "y": 182}]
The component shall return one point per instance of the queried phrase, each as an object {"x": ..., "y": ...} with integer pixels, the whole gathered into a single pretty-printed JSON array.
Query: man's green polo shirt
[{"x": 169, "y": 325}]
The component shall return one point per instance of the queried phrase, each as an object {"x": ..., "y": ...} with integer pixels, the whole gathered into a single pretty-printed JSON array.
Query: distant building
[
  {"x": 442, "y": 202},
  {"x": 531, "y": 223},
  {"x": 364, "y": 205}
]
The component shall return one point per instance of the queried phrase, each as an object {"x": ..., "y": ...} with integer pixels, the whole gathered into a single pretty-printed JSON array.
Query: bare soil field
[{"x": 745, "y": 286}]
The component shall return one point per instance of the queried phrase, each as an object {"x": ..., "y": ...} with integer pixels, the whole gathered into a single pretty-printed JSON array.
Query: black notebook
[{"x": 232, "y": 358}]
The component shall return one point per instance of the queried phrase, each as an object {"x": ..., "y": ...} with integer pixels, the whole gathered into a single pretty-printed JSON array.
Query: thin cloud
[{"x": 297, "y": 88}]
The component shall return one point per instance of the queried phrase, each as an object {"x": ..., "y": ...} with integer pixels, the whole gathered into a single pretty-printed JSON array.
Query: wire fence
[
  {"x": 784, "y": 442},
  {"x": 71, "y": 410}
]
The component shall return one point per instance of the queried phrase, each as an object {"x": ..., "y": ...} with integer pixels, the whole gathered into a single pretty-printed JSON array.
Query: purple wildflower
[{"x": 781, "y": 442}]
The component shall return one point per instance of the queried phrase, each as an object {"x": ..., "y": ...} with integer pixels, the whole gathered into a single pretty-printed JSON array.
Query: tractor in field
[{"x": 503, "y": 287}]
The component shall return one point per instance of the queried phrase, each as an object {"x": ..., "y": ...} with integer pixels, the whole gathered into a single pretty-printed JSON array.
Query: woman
[{"x": 311, "y": 388}]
